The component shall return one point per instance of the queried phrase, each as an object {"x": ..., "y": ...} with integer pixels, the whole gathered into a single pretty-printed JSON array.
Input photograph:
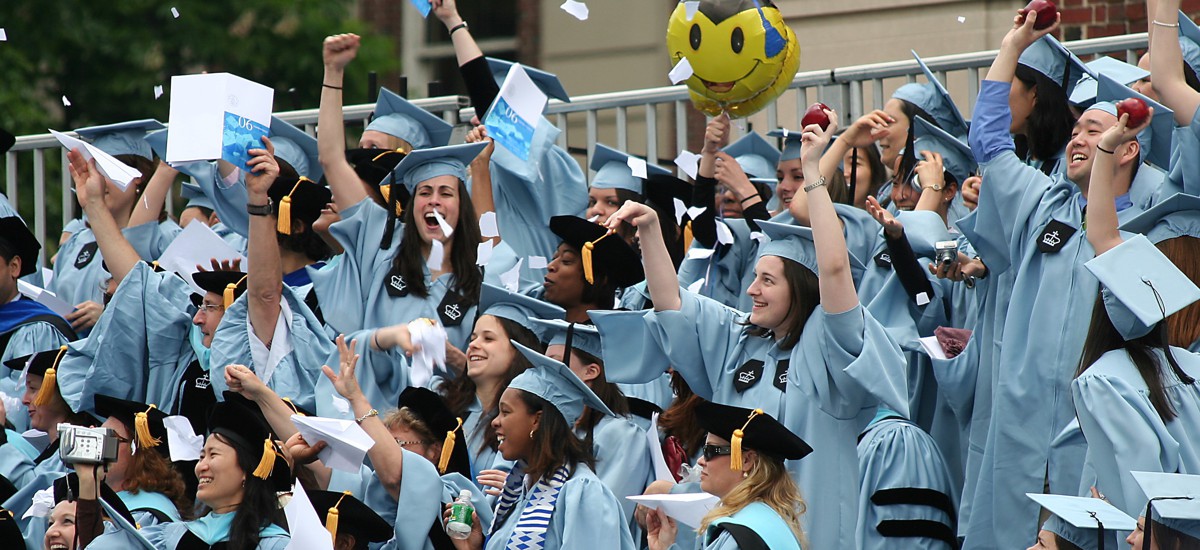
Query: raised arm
[
  {"x": 481, "y": 174},
  {"x": 833, "y": 261},
  {"x": 1019, "y": 38},
  {"x": 154, "y": 196},
  {"x": 264, "y": 279},
  {"x": 118, "y": 254},
  {"x": 465, "y": 48},
  {"x": 347, "y": 189},
  {"x": 1166, "y": 62},
  {"x": 661, "y": 279},
  {"x": 1118, "y": 147}
]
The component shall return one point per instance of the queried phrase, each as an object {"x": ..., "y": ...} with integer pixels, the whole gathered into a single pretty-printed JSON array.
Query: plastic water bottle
[{"x": 459, "y": 526}]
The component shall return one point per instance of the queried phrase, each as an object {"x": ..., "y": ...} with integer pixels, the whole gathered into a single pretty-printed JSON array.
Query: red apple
[
  {"x": 1136, "y": 109},
  {"x": 1046, "y": 13},
  {"x": 816, "y": 115}
]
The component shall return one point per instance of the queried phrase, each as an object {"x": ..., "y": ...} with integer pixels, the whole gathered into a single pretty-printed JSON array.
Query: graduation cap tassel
[
  {"x": 687, "y": 235},
  {"x": 588, "y": 247},
  {"x": 141, "y": 425},
  {"x": 390, "y": 227},
  {"x": 735, "y": 443},
  {"x": 49, "y": 381},
  {"x": 853, "y": 173},
  {"x": 295, "y": 409},
  {"x": 267, "y": 463},
  {"x": 567, "y": 344},
  {"x": 448, "y": 448},
  {"x": 331, "y": 518},
  {"x": 228, "y": 297},
  {"x": 284, "y": 224}
]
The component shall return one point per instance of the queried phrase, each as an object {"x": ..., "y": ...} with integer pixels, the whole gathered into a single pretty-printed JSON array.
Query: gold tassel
[
  {"x": 588, "y": 247},
  {"x": 687, "y": 236},
  {"x": 49, "y": 381},
  {"x": 284, "y": 223},
  {"x": 228, "y": 296},
  {"x": 293, "y": 406},
  {"x": 448, "y": 448},
  {"x": 267, "y": 464},
  {"x": 735, "y": 443},
  {"x": 141, "y": 425},
  {"x": 331, "y": 518},
  {"x": 386, "y": 191}
]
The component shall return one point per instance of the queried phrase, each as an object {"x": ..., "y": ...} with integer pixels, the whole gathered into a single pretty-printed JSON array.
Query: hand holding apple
[
  {"x": 816, "y": 115},
  {"x": 1046, "y": 13}
]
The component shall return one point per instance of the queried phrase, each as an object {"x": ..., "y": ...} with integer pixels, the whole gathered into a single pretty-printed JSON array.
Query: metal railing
[{"x": 650, "y": 122}]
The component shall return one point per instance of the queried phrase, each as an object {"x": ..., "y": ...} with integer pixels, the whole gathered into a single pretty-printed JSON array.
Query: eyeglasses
[
  {"x": 404, "y": 443},
  {"x": 211, "y": 308},
  {"x": 713, "y": 451}
]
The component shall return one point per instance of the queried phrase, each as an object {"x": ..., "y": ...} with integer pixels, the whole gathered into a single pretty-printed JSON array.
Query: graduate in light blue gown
[
  {"x": 492, "y": 362},
  {"x": 1177, "y": 50},
  {"x": 78, "y": 273},
  {"x": 1081, "y": 523},
  {"x": 760, "y": 506},
  {"x": 1028, "y": 229},
  {"x": 766, "y": 359},
  {"x": 619, "y": 444},
  {"x": 351, "y": 523},
  {"x": 26, "y": 326},
  {"x": 271, "y": 329},
  {"x": 238, "y": 449},
  {"x": 907, "y": 498},
  {"x": 202, "y": 211},
  {"x": 1172, "y": 517}
]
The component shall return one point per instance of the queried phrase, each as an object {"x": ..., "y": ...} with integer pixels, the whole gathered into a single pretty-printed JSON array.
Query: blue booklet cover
[
  {"x": 423, "y": 6},
  {"x": 239, "y": 136},
  {"x": 509, "y": 129}
]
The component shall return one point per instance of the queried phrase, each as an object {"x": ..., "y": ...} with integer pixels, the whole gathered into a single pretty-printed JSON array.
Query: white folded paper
[
  {"x": 662, "y": 472},
  {"x": 932, "y": 347},
  {"x": 577, "y": 9},
  {"x": 681, "y": 71},
  {"x": 120, "y": 173},
  {"x": 689, "y": 162},
  {"x": 346, "y": 443},
  {"x": 686, "y": 508},
  {"x": 430, "y": 341},
  {"x": 183, "y": 443},
  {"x": 487, "y": 225},
  {"x": 307, "y": 530},
  {"x": 44, "y": 297},
  {"x": 196, "y": 245}
]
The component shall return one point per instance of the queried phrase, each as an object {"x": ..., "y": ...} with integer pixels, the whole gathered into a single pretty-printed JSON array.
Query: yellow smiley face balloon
[{"x": 742, "y": 54}]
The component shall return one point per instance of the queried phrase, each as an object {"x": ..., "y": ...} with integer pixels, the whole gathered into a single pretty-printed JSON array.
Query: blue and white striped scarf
[{"x": 530, "y": 532}]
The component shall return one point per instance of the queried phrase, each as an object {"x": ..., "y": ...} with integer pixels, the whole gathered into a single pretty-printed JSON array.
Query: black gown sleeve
[{"x": 481, "y": 86}]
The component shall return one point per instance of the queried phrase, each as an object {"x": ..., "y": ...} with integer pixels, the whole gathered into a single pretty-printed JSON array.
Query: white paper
[
  {"x": 690, "y": 9},
  {"x": 511, "y": 279},
  {"x": 66, "y": 102},
  {"x": 695, "y": 212},
  {"x": 724, "y": 235},
  {"x": 662, "y": 472},
  {"x": 537, "y": 262},
  {"x": 437, "y": 253},
  {"x": 594, "y": 218},
  {"x": 183, "y": 443},
  {"x": 922, "y": 298},
  {"x": 47, "y": 276},
  {"x": 932, "y": 347},
  {"x": 696, "y": 286},
  {"x": 43, "y": 503},
  {"x": 196, "y": 245},
  {"x": 962, "y": 19},
  {"x": 515, "y": 114},
  {"x": 759, "y": 236},
  {"x": 120, "y": 173},
  {"x": 199, "y": 103},
  {"x": 686, "y": 508},
  {"x": 445, "y": 226},
  {"x": 689, "y": 162},
  {"x": 175, "y": 13},
  {"x": 3, "y": 36},
  {"x": 681, "y": 71},
  {"x": 577, "y": 9},
  {"x": 340, "y": 405},
  {"x": 307, "y": 530},
  {"x": 637, "y": 166},
  {"x": 45, "y": 297},
  {"x": 487, "y": 225},
  {"x": 699, "y": 253},
  {"x": 158, "y": 91},
  {"x": 680, "y": 210},
  {"x": 10, "y": 403},
  {"x": 346, "y": 442},
  {"x": 430, "y": 354},
  {"x": 483, "y": 253}
]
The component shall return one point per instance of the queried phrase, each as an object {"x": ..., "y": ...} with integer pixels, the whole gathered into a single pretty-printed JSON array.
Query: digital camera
[
  {"x": 80, "y": 445},
  {"x": 946, "y": 252}
]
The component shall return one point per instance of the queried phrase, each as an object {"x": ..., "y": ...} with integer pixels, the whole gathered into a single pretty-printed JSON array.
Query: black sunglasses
[{"x": 713, "y": 451}]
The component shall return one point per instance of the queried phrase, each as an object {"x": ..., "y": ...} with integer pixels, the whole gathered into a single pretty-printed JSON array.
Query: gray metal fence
[{"x": 650, "y": 122}]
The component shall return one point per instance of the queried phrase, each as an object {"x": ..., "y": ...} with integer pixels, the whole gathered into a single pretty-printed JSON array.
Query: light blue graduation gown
[
  {"x": 896, "y": 454},
  {"x": 27, "y": 340},
  {"x": 1184, "y": 175},
  {"x": 528, "y": 193},
  {"x": 826, "y": 402},
  {"x": 1125, "y": 433},
  {"x": 415, "y": 510},
  {"x": 41, "y": 477},
  {"x": 622, "y": 459},
  {"x": 141, "y": 347},
  {"x": 383, "y": 375},
  {"x": 166, "y": 536},
  {"x": 1051, "y": 300},
  {"x": 78, "y": 272},
  {"x": 765, "y": 522},
  {"x": 297, "y": 373},
  {"x": 586, "y": 512}
]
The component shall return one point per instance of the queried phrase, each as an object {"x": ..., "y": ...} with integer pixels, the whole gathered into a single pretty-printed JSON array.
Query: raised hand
[
  {"x": 1022, "y": 34},
  {"x": 344, "y": 380},
  {"x": 814, "y": 140},
  {"x": 222, "y": 265},
  {"x": 263, "y": 169},
  {"x": 241, "y": 379},
  {"x": 85, "y": 315},
  {"x": 891, "y": 225},
  {"x": 716, "y": 134},
  {"x": 930, "y": 171},
  {"x": 477, "y": 134},
  {"x": 634, "y": 213},
  {"x": 867, "y": 129},
  {"x": 89, "y": 182},
  {"x": 301, "y": 451},
  {"x": 339, "y": 50},
  {"x": 970, "y": 192}
]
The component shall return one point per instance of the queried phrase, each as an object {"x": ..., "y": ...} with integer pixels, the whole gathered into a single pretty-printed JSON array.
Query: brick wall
[{"x": 1096, "y": 18}]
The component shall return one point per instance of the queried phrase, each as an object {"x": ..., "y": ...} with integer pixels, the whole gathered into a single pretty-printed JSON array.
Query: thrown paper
[
  {"x": 699, "y": 253},
  {"x": 307, "y": 530},
  {"x": 429, "y": 341},
  {"x": 516, "y": 112},
  {"x": 689, "y": 162},
  {"x": 686, "y": 508},
  {"x": 511, "y": 279},
  {"x": 962, "y": 19},
  {"x": 537, "y": 262},
  {"x": 346, "y": 444},
  {"x": 196, "y": 245},
  {"x": 158, "y": 91},
  {"x": 681, "y": 71},
  {"x": 695, "y": 212},
  {"x": 690, "y": 9},
  {"x": 3, "y": 36},
  {"x": 696, "y": 286},
  {"x": 446, "y": 229},
  {"x": 437, "y": 253},
  {"x": 422, "y": 6},
  {"x": 66, "y": 102},
  {"x": 724, "y": 235},
  {"x": 680, "y": 210},
  {"x": 120, "y": 173},
  {"x": 487, "y": 225},
  {"x": 217, "y": 116},
  {"x": 183, "y": 443},
  {"x": 175, "y": 13},
  {"x": 637, "y": 167},
  {"x": 577, "y": 9},
  {"x": 483, "y": 253}
]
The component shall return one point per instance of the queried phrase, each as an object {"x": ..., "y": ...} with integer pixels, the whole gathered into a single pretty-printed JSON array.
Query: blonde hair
[{"x": 769, "y": 482}]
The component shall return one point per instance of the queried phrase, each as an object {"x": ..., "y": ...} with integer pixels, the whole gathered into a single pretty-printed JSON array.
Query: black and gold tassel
[
  {"x": 141, "y": 425},
  {"x": 735, "y": 443},
  {"x": 331, "y": 518},
  {"x": 267, "y": 463},
  {"x": 49, "y": 380},
  {"x": 448, "y": 448}
]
